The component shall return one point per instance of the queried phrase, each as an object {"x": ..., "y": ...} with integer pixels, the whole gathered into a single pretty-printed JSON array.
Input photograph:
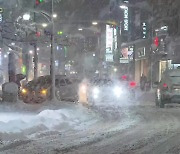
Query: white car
[
  {"x": 102, "y": 90},
  {"x": 168, "y": 89}
]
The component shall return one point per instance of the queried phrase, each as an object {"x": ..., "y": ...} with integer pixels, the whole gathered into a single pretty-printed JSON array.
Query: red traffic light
[
  {"x": 38, "y": 34},
  {"x": 37, "y": 2},
  {"x": 156, "y": 41}
]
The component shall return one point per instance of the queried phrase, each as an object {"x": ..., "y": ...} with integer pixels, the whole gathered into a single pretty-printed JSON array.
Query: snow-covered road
[{"x": 134, "y": 128}]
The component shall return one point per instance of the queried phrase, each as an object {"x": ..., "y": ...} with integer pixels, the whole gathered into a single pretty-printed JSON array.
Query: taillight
[
  {"x": 124, "y": 77},
  {"x": 165, "y": 86},
  {"x": 132, "y": 84}
]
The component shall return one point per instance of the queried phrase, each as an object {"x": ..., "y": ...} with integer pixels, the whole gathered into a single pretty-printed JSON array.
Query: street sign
[
  {"x": 144, "y": 30},
  {"x": 126, "y": 17},
  {"x": 1, "y": 15},
  {"x": 141, "y": 52},
  {"x": 109, "y": 58},
  {"x": 1, "y": 10}
]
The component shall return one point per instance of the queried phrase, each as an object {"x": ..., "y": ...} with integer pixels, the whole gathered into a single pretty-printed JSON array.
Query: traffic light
[
  {"x": 38, "y": 34},
  {"x": 156, "y": 41},
  {"x": 59, "y": 32},
  {"x": 39, "y": 1},
  {"x": 23, "y": 70}
]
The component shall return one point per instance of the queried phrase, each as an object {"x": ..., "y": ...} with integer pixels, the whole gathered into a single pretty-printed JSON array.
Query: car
[
  {"x": 129, "y": 84},
  {"x": 105, "y": 89},
  {"x": 38, "y": 91},
  {"x": 168, "y": 89}
]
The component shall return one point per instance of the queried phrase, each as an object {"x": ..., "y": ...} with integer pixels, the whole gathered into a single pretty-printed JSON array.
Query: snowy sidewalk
[{"x": 49, "y": 119}]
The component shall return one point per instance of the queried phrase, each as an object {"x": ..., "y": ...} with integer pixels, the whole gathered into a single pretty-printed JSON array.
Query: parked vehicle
[
  {"x": 168, "y": 89},
  {"x": 38, "y": 91}
]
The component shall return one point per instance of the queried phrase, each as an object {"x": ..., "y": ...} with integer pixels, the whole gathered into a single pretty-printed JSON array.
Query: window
[
  {"x": 62, "y": 82},
  {"x": 68, "y": 81},
  {"x": 56, "y": 82}
]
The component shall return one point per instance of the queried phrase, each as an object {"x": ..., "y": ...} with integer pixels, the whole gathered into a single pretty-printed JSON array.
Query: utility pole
[
  {"x": 26, "y": 62},
  {"x": 35, "y": 61},
  {"x": 52, "y": 67},
  {"x": 119, "y": 43},
  {"x": 35, "y": 52},
  {"x": 151, "y": 59}
]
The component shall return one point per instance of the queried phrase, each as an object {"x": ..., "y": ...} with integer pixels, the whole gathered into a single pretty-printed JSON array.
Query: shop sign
[
  {"x": 130, "y": 52},
  {"x": 141, "y": 52},
  {"x": 109, "y": 57},
  {"x": 109, "y": 39},
  {"x": 124, "y": 56},
  {"x": 144, "y": 30},
  {"x": 126, "y": 17}
]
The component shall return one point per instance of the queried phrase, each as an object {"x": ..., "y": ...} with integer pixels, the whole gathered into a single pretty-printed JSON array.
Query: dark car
[
  {"x": 38, "y": 91},
  {"x": 168, "y": 89}
]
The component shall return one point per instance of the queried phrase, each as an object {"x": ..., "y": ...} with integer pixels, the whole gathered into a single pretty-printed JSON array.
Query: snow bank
[{"x": 51, "y": 119}]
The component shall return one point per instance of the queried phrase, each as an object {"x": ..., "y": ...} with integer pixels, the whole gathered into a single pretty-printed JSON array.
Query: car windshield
[
  {"x": 102, "y": 82},
  {"x": 90, "y": 76},
  {"x": 41, "y": 81},
  {"x": 175, "y": 76}
]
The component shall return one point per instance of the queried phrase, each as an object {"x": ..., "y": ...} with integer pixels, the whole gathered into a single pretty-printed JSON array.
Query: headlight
[
  {"x": 24, "y": 91},
  {"x": 44, "y": 92},
  {"x": 96, "y": 91},
  {"x": 83, "y": 88},
  {"x": 117, "y": 91}
]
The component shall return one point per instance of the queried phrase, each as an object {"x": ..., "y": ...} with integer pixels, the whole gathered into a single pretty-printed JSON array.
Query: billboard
[
  {"x": 109, "y": 39},
  {"x": 127, "y": 54},
  {"x": 126, "y": 17},
  {"x": 111, "y": 43},
  {"x": 124, "y": 56}
]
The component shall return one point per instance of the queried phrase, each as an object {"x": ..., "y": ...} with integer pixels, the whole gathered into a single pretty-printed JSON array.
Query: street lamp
[
  {"x": 123, "y": 6},
  {"x": 94, "y": 23},
  {"x": 115, "y": 69},
  {"x": 80, "y": 29},
  {"x": 26, "y": 16},
  {"x": 165, "y": 28},
  {"x": 54, "y": 15},
  {"x": 30, "y": 52},
  {"x": 44, "y": 25}
]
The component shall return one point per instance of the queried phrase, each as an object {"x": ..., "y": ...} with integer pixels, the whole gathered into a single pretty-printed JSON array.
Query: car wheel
[
  {"x": 58, "y": 95},
  {"x": 132, "y": 95},
  {"x": 157, "y": 100},
  {"x": 76, "y": 99},
  {"x": 161, "y": 104}
]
